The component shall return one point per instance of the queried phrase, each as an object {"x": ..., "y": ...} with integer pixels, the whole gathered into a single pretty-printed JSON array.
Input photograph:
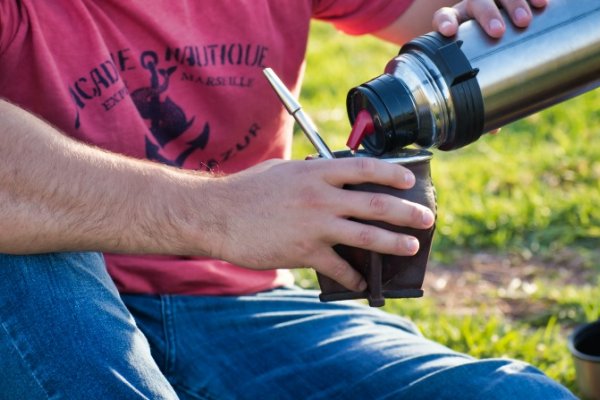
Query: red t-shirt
[{"x": 177, "y": 82}]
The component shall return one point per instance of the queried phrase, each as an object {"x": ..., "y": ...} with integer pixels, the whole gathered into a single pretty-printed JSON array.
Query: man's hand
[
  {"x": 290, "y": 213},
  {"x": 417, "y": 19},
  {"x": 57, "y": 194},
  {"x": 486, "y": 12}
]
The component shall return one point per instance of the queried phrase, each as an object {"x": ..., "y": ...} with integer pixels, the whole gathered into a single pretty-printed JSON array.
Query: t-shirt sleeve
[
  {"x": 10, "y": 17},
  {"x": 357, "y": 17}
]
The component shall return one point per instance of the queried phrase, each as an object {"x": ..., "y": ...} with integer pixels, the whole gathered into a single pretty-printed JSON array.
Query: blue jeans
[{"x": 67, "y": 334}]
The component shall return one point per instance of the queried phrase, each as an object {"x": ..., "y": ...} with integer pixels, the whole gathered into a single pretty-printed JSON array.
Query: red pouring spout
[{"x": 363, "y": 126}]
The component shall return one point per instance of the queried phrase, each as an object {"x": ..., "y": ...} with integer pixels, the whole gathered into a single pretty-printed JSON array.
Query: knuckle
[
  {"x": 366, "y": 236},
  {"x": 367, "y": 166},
  {"x": 378, "y": 204},
  {"x": 308, "y": 197},
  {"x": 304, "y": 247}
]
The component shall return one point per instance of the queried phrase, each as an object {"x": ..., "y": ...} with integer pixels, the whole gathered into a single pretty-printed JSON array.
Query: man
[{"x": 192, "y": 238}]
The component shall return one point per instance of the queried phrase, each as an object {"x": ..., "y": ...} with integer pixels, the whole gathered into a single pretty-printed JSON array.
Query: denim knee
[
  {"x": 491, "y": 379},
  {"x": 66, "y": 329}
]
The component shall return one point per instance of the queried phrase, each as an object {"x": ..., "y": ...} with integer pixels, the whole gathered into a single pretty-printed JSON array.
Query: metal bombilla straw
[{"x": 293, "y": 107}]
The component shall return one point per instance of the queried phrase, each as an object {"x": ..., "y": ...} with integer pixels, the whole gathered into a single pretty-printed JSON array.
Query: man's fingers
[
  {"x": 386, "y": 207},
  {"x": 519, "y": 11},
  {"x": 363, "y": 169},
  {"x": 376, "y": 239},
  {"x": 488, "y": 15},
  {"x": 446, "y": 21},
  {"x": 329, "y": 263},
  {"x": 539, "y": 3}
]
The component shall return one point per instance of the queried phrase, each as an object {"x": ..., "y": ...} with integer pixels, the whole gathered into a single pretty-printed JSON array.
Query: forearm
[{"x": 57, "y": 194}]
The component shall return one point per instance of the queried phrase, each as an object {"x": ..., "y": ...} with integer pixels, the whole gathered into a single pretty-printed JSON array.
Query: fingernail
[
  {"x": 496, "y": 25},
  {"x": 409, "y": 178},
  {"x": 521, "y": 15},
  {"x": 427, "y": 218},
  {"x": 362, "y": 286},
  {"x": 412, "y": 245},
  {"x": 446, "y": 27}
]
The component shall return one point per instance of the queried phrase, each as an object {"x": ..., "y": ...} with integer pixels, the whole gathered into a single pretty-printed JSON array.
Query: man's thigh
[
  {"x": 65, "y": 333},
  {"x": 285, "y": 344}
]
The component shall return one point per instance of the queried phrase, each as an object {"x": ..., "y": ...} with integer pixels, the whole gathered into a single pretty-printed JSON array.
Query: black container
[{"x": 389, "y": 276}]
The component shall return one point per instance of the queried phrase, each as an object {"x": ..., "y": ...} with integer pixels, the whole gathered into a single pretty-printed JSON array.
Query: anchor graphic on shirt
[{"x": 168, "y": 121}]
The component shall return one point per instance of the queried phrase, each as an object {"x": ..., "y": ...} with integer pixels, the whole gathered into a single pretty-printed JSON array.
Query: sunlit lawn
[{"x": 531, "y": 193}]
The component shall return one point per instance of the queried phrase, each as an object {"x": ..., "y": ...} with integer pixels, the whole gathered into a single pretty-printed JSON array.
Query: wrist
[{"x": 192, "y": 212}]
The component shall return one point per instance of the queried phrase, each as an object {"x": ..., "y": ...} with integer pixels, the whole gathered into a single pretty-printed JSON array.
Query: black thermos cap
[{"x": 389, "y": 102}]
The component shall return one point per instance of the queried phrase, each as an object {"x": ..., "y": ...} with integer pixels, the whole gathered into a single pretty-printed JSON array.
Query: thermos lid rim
[{"x": 403, "y": 156}]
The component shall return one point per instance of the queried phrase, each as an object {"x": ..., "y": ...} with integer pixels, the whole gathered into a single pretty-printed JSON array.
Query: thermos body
[
  {"x": 557, "y": 57},
  {"x": 446, "y": 92}
]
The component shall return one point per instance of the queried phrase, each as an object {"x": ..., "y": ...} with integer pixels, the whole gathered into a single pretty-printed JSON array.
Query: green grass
[{"x": 532, "y": 190}]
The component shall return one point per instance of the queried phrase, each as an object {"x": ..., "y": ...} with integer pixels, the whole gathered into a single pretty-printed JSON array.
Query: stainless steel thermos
[{"x": 446, "y": 92}]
